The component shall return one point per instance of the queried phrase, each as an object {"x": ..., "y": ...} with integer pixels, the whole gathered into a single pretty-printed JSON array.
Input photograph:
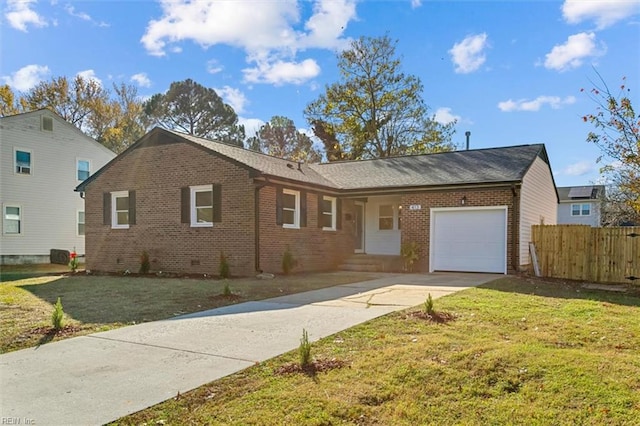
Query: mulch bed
[{"x": 316, "y": 366}]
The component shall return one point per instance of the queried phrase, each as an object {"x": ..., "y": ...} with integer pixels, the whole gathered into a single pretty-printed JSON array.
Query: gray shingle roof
[
  {"x": 563, "y": 192},
  {"x": 508, "y": 164},
  {"x": 493, "y": 165}
]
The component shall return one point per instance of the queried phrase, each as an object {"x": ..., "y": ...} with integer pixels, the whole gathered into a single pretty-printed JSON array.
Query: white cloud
[
  {"x": 573, "y": 52},
  {"x": 89, "y": 75},
  {"x": 71, "y": 10},
  {"x": 416, "y": 3},
  {"x": 213, "y": 67},
  {"x": 555, "y": 102},
  {"x": 580, "y": 168},
  {"x": 603, "y": 13},
  {"x": 27, "y": 77},
  {"x": 270, "y": 33},
  {"x": 445, "y": 116},
  {"x": 251, "y": 125},
  {"x": 20, "y": 14},
  {"x": 233, "y": 97},
  {"x": 469, "y": 54},
  {"x": 141, "y": 79},
  {"x": 280, "y": 72}
]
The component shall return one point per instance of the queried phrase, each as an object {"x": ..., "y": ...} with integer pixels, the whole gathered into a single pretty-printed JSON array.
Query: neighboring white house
[
  {"x": 580, "y": 205},
  {"x": 42, "y": 159}
]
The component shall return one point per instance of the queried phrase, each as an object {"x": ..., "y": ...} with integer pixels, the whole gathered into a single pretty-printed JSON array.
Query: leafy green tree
[
  {"x": 617, "y": 134},
  {"x": 9, "y": 104},
  {"x": 375, "y": 110},
  {"x": 191, "y": 108},
  {"x": 280, "y": 138}
]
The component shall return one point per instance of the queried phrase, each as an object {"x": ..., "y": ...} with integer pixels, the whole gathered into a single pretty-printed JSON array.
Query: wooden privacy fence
[{"x": 580, "y": 252}]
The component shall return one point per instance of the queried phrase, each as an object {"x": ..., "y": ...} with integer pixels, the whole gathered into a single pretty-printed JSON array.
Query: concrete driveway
[{"x": 101, "y": 377}]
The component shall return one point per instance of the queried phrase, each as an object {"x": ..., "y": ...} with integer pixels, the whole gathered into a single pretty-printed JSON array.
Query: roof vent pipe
[{"x": 467, "y": 134}]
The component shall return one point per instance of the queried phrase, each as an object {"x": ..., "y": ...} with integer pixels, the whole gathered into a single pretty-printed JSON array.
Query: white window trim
[
  {"x": 296, "y": 212},
  {"x": 78, "y": 160},
  {"x": 333, "y": 213},
  {"x": 78, "y": 223},
  {"x": 15, "y": 161},
  {"x": 114, "y": 213},
  {"x": 194, "y": 217},
  {"x": 4, "y": 220},
  {"x": 580, "y": 209}
]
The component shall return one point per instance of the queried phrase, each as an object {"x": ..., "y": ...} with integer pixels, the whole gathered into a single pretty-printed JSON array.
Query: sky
[{"x": 510, "y": 72}]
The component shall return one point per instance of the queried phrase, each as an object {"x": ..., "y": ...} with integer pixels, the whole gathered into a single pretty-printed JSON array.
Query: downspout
[
  {"x": 256, "y": 227},
  {"x": 515, "y": 231}
]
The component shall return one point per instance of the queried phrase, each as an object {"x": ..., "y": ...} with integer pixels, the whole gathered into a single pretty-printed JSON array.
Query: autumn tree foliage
[
  {"x": 280, "y": 138},
  {"x": 113, "y": 118},
  {"x": 192, "y": 108},
  {"x": 617, "y": 134},
  {"x": 375, "y": 110}
]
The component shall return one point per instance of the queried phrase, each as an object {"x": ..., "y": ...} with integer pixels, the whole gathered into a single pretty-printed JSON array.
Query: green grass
[
  {"x": 21, "y": 272},
  {"x": 520, "y": 352},
  {"x": 98, "y": 303}
]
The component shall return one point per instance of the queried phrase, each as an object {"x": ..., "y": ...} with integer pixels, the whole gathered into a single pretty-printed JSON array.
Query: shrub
[
  {"x": 224, "y": 268},
  {"x": 226, "y": 291},
  {"x": 57, "y": 315},
  {"x": 409, "y": 253},
  {"x": 288, "y": 261},
  {"x": 145, "y": 265},
  {"x": 304, "y": 350},
  {"x": 428, "y": 305}
]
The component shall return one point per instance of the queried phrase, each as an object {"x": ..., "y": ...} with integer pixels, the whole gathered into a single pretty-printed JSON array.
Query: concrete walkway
[{"x": 101, "y": 377}]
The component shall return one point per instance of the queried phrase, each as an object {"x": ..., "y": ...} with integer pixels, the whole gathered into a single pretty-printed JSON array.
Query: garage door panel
[{"x": 469, "y": 240}]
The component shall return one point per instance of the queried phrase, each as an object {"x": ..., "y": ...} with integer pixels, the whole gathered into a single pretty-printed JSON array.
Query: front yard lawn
[
  {"x": 519, "y": 352},
  {"x": 99, "y": 303}
]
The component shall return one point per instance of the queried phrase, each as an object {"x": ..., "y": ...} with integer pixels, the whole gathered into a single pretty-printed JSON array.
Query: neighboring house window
[
  {"x": 385, "y": 217},
  {"x": 202, "y": 205},
  {"x": 290, "y": 208},
  {"x": 12, "y": 216},
  {"x": 23, "y": 162},
  {"x": 328, "y": 213},
  {"x": 80, "y": 223},
  {"x": 581, "y": 209},
  {"x": 120, "y": 209},
  {"x": 83, "y": 169}
]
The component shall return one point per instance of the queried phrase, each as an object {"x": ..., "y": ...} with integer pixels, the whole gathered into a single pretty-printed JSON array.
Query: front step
[{"x": 373, "y": 263}]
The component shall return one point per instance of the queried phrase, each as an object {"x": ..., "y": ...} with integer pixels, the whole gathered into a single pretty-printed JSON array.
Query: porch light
[{"x": 463, "y": 201}]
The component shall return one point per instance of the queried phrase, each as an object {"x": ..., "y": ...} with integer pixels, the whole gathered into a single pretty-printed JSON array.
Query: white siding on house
[
  {"x": 381, "y": 241},
  {"x": 538, "y": 203},
  {"x": 565, "y": 218},
  {"x": 49, "y": 204}
]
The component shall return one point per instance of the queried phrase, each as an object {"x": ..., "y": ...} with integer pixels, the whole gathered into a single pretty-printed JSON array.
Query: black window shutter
[
  {"x": 217, "y": 202},
  {"x": 185, "y": 205},
  {"x": 320, "y": 206},
  {"x": 338, "y": 213},
  {"x": 303, "y": 209},
  {"x": 132, "y": 207},
  {"x": 278, "y": 205},
  {"x": 106, "y": 208}
]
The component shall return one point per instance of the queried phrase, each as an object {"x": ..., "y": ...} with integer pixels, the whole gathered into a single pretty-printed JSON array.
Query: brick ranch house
[{"x": 184, "y": 200}]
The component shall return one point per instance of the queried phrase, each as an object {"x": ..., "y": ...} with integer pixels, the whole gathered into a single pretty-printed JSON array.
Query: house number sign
[{"x": 415, "y": 207}]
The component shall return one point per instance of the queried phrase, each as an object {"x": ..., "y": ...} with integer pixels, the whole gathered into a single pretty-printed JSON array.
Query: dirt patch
[
  {"x": 438, "y": 317},
  {"x": 316, "y": 366},
  {"x": 233, "y": 298}
]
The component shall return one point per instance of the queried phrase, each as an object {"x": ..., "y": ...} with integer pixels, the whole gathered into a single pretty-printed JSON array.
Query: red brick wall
[
  {"x": 157, "y": 174},
  {"x": 313, "y": 248},
  {"x": 416, "y": 223}
]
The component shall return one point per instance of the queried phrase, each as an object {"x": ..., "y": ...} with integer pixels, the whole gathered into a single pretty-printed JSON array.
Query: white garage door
[{"x": 469, "y": 240}]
